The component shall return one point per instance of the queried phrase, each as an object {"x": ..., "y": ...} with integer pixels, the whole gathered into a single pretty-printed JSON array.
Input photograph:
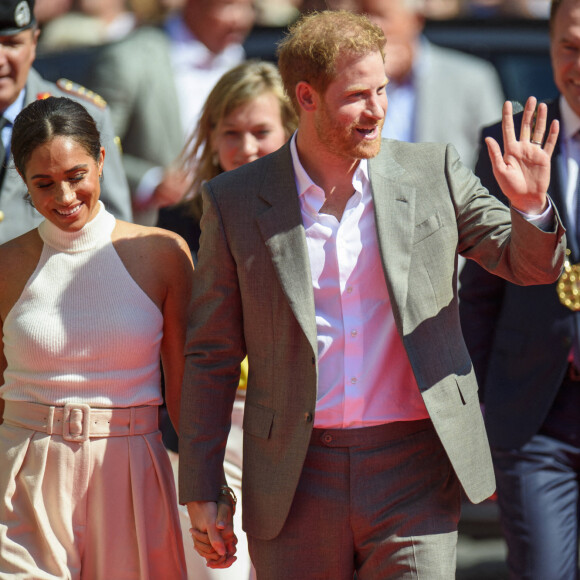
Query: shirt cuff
[{"x": 544, "y": 220}]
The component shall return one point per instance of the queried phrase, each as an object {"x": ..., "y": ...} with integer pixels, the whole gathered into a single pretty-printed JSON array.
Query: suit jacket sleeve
[
  {"x": 516, "y": 250},
  {"x": 215, "y": 333}
]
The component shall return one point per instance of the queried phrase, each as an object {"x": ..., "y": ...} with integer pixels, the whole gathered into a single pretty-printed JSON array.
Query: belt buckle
[{"x": 76, "y": 412}]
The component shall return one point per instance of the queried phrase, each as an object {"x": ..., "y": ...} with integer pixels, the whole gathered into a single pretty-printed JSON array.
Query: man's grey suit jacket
[
  {"x": 253, "y": 293},
  {"x": 18, "y": 215}
]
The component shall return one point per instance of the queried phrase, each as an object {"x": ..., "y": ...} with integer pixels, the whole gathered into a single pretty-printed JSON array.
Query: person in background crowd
[
  {"x": 21, "y": 85},
  {"x": 233, "y": 130},
  {"x": 246, "y": 116},
  {"x": 197, "y": 46},
  {"x": 97, "y": 22},
  {"x": 331, "y": 263},
  {"x": 524, "y": 343},
  {"x": 47, "y": 10},
  {"x": 86, "y": 485}
]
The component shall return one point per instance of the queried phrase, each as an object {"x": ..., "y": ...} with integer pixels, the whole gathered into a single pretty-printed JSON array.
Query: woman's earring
[{"x": 215, "y": 160}]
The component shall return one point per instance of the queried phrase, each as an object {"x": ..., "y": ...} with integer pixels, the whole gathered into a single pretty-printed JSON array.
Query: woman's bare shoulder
[
  {"x": 18, "y": 259},
  {"x": 159, "y": 247},
  {"x": 152, "y": 238},
  {"x": 20, "y": 253}
]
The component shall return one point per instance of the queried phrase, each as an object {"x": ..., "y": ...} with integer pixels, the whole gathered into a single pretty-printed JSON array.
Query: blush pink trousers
[{"x": 86, "y": 494}]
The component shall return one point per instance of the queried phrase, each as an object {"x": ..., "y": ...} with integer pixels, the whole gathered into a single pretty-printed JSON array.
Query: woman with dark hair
[{"x": 88, "y": 306}]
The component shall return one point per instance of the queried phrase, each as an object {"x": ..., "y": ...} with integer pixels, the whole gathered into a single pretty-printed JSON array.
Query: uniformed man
[{"x": 20, "y": 84}]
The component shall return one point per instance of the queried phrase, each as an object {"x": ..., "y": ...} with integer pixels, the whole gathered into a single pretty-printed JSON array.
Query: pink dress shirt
[{"x": 365, "y": 377}]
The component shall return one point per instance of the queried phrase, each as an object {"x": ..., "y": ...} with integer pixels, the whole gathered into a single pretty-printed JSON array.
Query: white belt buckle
[{"x": 76, "y": 412}]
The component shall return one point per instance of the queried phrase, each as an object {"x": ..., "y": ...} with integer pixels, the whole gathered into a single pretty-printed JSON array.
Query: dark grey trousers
[{"x": 381, "y": 501}]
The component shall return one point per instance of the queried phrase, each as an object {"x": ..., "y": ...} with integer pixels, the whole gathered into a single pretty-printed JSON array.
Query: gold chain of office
[{"x": 568, "y": 287}]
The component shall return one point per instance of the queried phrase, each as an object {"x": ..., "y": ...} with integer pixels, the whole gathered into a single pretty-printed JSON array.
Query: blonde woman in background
[{"x": 246, "y": 116}]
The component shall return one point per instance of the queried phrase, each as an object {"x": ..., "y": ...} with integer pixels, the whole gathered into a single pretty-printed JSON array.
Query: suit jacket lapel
[
  {"x": 394, "y": 202},
  {"x": 283, "y": 233}
]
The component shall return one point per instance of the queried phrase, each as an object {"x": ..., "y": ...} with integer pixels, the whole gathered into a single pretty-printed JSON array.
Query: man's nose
[{"x": 377, "y": 106}]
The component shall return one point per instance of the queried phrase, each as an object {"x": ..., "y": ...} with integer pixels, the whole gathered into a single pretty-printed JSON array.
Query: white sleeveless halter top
[{"x": 82, "y": 331}]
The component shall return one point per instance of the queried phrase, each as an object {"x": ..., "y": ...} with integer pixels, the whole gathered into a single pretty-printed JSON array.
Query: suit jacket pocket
[
  {"x": 427, "y": 227},
  {"x": 258, "y": 421}
]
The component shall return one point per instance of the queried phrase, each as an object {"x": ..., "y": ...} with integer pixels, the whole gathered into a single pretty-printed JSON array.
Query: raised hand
[{"x": 523, "y": 171}]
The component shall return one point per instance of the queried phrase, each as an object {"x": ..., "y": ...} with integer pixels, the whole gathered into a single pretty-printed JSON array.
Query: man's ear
[{"x": 306, "y": 96}]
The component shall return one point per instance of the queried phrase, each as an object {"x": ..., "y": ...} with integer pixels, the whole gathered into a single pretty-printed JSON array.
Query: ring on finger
[{"x": 536, "y": 142}]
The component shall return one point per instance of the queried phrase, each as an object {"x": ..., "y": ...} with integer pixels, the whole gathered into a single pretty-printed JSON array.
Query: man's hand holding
[{"x": 213, "y": 532}]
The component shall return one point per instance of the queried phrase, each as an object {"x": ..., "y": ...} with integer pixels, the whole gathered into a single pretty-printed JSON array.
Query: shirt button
[
  {"x": 308, "y": 417},
  {"x": 349, "y": 290},
  {"x": 353, "y": 333},
  {"x": 353, "y": 380},
  {"x": 327, "y": 438}
]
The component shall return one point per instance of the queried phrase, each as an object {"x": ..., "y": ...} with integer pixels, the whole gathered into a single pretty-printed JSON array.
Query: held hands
[
  {"x": 523, "y": 172},
  {"x": 212, "y": 532}
]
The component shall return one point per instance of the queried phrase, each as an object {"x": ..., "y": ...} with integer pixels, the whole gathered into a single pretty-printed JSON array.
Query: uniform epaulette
[{"x": 77, "y": 90}]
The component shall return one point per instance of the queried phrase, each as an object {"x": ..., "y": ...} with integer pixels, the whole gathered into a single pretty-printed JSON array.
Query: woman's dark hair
[{"x": 45, "y": 119}]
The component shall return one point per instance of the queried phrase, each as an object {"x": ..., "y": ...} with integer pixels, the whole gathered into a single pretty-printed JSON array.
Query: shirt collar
[
  {"x": 360, "y": 178},
  {"x": 12, "y": 110}
]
